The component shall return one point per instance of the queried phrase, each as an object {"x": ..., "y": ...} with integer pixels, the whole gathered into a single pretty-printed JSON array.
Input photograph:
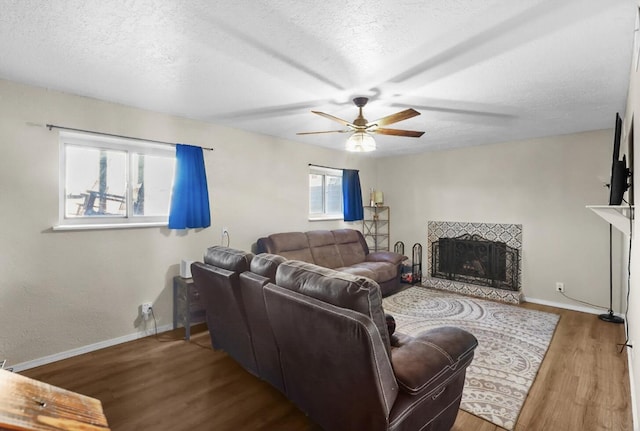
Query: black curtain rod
[
  {"x": 330, "y": 167},
  {"x": 53, "y": 126}
]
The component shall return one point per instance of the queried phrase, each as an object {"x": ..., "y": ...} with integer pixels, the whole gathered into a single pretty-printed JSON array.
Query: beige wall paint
[
  {"x": 64, "y": 290},
  {"x": 543, "y": 184}
]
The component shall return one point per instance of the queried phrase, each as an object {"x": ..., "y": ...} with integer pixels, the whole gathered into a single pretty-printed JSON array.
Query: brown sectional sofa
[
  {"x": 320, "y": 337},
  {"x": 344, "y": 250}
]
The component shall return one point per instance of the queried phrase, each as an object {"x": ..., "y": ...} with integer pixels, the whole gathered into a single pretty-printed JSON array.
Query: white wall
[
  {"x": 61, "y": 291},
  {"x": 633, "y": 322},
  {"x": 543, "y": 184}
]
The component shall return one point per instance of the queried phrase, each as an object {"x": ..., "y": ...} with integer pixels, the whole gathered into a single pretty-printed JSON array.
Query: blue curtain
[
  {"x": 351, "y": 195},
  {"x": 190, "y": 197}
]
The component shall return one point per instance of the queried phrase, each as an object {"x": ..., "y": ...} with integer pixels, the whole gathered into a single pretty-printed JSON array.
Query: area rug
[{"x": 512, "y": 342}]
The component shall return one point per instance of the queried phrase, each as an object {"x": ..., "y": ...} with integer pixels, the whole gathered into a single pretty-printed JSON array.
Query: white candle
[{"x": 378, "y": 198}]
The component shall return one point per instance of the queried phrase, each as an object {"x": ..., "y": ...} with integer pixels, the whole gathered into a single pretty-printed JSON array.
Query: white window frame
[
  {"x": 128, "y": 146},
  {"x": 319, "y": 170}
]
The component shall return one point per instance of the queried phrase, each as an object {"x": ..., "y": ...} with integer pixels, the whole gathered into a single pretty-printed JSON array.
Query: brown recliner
[
  {"x": 263, "y": 271},
  {"x": 217, "y": 280},
  {"x": 339, "y": 366}
]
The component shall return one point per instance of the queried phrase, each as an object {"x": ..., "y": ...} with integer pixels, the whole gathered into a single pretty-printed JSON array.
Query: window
[
  {"x": 106, "y": 182},
  {"x": 325, "y": 193}
]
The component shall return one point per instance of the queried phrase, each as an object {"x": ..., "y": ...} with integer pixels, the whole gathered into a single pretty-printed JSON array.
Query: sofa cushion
[
  {"x": 351, "y": 246},
  {"x": 355, "y": 270},
  {"x": 266, "y": 264},
  {"x": 386, "y": 256},
  {"x": 382, "y": 271},
  {"x": 323, "y": 249},
  {"x": 228, "y": 258},
  {"x": 337, "y": 288},
  {"x": 291, "y": 245}
]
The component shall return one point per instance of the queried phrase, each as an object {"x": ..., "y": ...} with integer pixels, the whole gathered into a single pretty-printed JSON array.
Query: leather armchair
[
  {"x": 218, "y": 282},
  {"x": 263, "y": 271},
  {"x": 338, "y": 363}
]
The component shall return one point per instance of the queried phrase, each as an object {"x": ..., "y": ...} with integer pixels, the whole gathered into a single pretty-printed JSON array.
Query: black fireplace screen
[{"x": 476, "y": 260}]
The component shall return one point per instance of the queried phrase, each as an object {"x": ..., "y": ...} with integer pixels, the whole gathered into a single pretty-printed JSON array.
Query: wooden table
[{"x": 27, "y": 404}]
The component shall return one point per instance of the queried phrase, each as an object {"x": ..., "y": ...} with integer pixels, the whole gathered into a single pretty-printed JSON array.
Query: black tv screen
[{"x": 619, "y": 172}]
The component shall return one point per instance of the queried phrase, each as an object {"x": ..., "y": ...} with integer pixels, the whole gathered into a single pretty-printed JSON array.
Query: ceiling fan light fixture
[{"x": 361, "y": 142}]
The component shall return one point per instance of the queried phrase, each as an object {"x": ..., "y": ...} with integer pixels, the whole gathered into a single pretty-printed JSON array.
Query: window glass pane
[
  {"x": 95, "y": 182},
  {"x": 334, "y": 194},
  {"x": 152, "y": 180},
  {"x": 315, "y": 194}
]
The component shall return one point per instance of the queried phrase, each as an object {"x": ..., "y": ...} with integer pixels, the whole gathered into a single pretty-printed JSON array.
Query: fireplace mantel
[{"x": 618, "y": 215}]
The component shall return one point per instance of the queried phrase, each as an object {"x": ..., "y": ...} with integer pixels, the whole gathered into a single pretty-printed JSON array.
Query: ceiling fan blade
[
  {"x": 331, "y": 117},
  {"x": 394, "y": 118},
  {"x": 328, "y": 131},
  {"x": 396, "y": 132}
]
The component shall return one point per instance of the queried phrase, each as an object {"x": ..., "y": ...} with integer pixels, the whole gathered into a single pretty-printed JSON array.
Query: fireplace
[{"x": 476, "y": 260}]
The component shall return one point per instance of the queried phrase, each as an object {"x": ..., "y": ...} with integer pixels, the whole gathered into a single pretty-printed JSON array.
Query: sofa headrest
[
  {"x": 337, "y": 288},
  {"x": 288, "y": 241},
  {"x": 266, "y": 264},
  {"x": 318, "y": 238},
  {"x": 228, "y": 258},
  {"x": 343, "y": 236}
]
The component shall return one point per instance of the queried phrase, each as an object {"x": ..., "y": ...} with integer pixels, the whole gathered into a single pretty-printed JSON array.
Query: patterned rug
[{"x": 512, "y": 342}]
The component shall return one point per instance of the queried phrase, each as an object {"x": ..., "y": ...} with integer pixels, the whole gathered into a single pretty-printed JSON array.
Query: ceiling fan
[{"x": 361, "y": 129}]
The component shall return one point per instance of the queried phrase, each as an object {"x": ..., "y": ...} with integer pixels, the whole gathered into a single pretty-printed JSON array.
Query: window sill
[
  {"x": 103, "y": 226},
  {"x": 326, "y": 218}
]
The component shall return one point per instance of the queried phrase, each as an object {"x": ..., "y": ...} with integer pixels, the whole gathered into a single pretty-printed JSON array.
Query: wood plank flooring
[{"x": 165, "y": 383}]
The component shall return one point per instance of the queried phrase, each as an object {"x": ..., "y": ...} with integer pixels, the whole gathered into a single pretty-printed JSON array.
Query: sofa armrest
[
  {"x": 385, "y": 256},
  {"x": 425, "y": 363}
]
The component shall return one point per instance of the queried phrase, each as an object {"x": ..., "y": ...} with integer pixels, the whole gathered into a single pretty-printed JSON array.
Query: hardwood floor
[{"x": 165, "y": 383}]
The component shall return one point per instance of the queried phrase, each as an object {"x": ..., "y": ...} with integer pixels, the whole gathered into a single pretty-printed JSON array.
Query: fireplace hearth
[{"x": 476, "y": 260}]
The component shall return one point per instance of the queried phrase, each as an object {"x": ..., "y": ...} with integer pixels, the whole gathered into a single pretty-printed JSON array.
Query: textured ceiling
[{"x": 478, "y": 71}]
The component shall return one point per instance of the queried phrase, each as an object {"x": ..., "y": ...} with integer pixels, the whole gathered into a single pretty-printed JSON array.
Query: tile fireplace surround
[{"x": 511, "y": 234}]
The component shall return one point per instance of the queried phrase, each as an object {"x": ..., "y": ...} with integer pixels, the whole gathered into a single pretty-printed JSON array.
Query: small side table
[{"x": 188, "y": 308}]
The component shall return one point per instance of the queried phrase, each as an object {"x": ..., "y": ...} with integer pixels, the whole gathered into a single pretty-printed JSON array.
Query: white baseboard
[
  {"x": 580, "y": 308},
  {"x": 86, "y": 349}
]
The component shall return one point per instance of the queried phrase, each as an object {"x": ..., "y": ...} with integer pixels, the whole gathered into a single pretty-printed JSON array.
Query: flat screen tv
[{"x": 619, "y": 171}]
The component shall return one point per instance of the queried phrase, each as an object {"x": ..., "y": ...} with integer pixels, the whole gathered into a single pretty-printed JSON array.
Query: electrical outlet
[
  {"x": 145, "y": 308},
  {"x": 225, "y": 231},
  {"x": 559, "y": 286}
]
